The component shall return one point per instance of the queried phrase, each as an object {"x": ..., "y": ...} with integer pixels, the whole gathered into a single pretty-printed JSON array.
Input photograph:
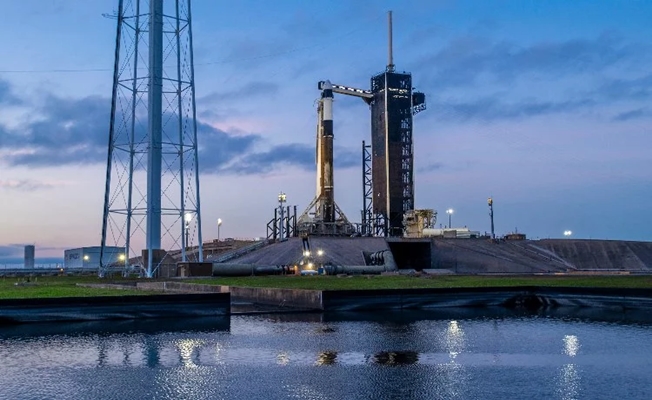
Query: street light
[
  {"x": 282, "y": 198},
  {"x": 450, "y": 214},
  {"x": 219, "y": 223},
  {"x": 568, "y": 233},
  {"x": 86, "y": 257},
  {"x": 187, "y": 218},
  {"x": 121, "y": 257}
]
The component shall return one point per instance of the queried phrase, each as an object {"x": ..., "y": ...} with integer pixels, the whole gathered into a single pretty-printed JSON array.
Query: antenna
[{"x": 390, "y": 60}]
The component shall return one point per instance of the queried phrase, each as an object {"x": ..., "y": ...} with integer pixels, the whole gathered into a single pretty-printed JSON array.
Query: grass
[
  {"x": 407, "y": 282},
  {"x": 65, "y": 286},
  {"x": 59, "y": 286}
]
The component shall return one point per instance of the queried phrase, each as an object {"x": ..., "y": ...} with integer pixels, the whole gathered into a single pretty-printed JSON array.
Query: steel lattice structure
[
  {"x": 367, "y": 191},
  {"x": 152, "y": 183}
]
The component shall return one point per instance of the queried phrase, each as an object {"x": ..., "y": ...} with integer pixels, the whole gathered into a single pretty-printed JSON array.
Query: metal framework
[
  {"x": 288, "y": 222},
  {"x": 367, "y": 191},
  {"x": 152, "y": 179}
]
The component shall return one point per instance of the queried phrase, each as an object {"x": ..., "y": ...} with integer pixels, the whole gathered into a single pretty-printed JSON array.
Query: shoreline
[
  {"x": 130, "y": 307},
  {"x": 217, "y": 301}
]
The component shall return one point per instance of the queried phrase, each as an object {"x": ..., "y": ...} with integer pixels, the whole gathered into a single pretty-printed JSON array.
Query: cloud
[
  {"x": 248, "y": 91},
  {"x": 466, "y": 60},
  {"x": 27, "y": 185},
  {"x": 431, "y": 167},
  {"x": 217, "y": 148},
  {"x": 67, "y": 131},
  {"x": 11, "y": 250},
  {"x": 294, "y": 154},
  {"x": 633, "y": 114},
  {"x": 627, "y": 89},
  {"x": 75, "y": 132},
  {"x": 6, "y": 94},
  {"x": 492, "y": 109}
]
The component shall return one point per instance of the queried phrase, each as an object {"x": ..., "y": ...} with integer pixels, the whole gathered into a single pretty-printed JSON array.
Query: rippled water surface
[{"x": 342, "y": 356}]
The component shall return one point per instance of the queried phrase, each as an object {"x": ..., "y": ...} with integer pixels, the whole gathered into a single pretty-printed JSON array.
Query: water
[{"x": 417, "y": 355}]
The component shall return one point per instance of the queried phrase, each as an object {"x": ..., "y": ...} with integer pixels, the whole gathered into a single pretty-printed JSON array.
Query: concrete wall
[
  {"x": 182, "y": 287},
  {"x": 474, "y": 256},
  {"x": 524, "y": 297},
  {"x": 114, "y": 307},
  {"x": 290, "y": 298},
  {"x": 601, "y": 254}
]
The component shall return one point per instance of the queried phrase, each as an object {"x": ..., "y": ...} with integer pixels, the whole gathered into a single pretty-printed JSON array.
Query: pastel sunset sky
[{"x": 543, "y": 105}]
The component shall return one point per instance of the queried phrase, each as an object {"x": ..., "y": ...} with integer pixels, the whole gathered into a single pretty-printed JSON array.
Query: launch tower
[
  {"x": 394, "y": 103},
  {"x": 390, "y": 188},
  {"x": 152, "y": 185}
]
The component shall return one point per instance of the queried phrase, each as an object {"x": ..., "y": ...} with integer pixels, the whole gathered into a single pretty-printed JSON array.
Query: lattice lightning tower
[{"x": 152, "y": 184}]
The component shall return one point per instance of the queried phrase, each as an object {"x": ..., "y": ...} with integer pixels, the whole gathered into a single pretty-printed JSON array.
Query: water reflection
[
  {"x": 393, "y": 358},
  {"x": 569, "y": 382},
  {"x": 187, "y": 351},
  {"x": 283, "y": 358},
  {"x": 569, "y": 377},
  {"x": 425, "y": 358},
  {"x": 326, "y": 358},
  {"x": 454, "y": 339},
  {"x": 453, "y": 376},
  {"x": 571, "y": 345},
  {"x": 132, "y": 326}
]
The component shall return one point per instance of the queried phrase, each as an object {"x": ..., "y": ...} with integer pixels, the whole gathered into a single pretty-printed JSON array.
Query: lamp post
[
  {"x": 219, "y": 223},
  {"x": 282, "y": 198},
  {"x": 450, "y": 214},
  {"x": 187, "y": 218},
  {"x": 490, "y": 201},
  {"x": 320, "y": 254},
  {"x": 568, "y": 233}
]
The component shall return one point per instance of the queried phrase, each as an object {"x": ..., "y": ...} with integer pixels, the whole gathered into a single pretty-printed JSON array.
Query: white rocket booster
[{"x": 325, "y": 189}]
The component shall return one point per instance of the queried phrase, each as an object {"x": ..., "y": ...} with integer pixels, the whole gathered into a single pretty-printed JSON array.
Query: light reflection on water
[{"x": 403, "y": 355}]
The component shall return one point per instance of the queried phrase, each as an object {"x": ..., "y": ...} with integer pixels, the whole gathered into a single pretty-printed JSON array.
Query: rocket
[{"x": 325, "y": 189}]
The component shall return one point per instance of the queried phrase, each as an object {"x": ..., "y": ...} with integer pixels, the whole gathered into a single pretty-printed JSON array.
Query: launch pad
[{"x": 387, "y": 164}]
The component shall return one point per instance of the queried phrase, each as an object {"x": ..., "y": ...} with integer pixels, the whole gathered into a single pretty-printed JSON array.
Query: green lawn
[
  {"x": 65, "y": 286},
  {"x": 404, "y": 282},
  {"x": 58, "y": 286}
]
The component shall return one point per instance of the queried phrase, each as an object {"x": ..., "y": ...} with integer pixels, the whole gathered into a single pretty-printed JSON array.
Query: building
[
  {"x": 451, "y": 233},
  {"x": 89, "y": 257},
  {"x": 29, "y": 256},
  {"x": 394, "y": 104}
]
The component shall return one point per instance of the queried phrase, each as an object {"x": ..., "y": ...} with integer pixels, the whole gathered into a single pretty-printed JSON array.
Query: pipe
[
  {"x": 390, "y": 263},
  {"x": 390, "y": 58},
  {"x": 225, "y": 269},
  {"x": 355, "y": 269},
  {"x": 384, "y": 256}
]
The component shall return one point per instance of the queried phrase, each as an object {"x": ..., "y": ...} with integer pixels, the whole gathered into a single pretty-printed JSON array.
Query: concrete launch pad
[{"x": 467, "y": 256}]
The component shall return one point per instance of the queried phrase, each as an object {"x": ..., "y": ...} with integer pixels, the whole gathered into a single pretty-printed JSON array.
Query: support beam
[{"x": 155, "y": 126}]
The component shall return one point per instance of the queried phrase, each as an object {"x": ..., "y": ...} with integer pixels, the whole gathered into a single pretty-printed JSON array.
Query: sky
[{"x": 542, "y": 105}]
